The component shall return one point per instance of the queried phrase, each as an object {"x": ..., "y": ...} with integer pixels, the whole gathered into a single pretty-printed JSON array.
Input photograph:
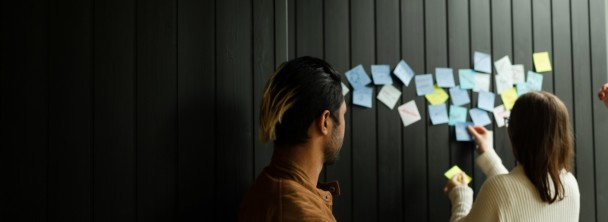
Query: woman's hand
[
  {"x": 457, "y": 180},
  {"x": 481, "y": 136},
  {"x": 603, "y": 94}
]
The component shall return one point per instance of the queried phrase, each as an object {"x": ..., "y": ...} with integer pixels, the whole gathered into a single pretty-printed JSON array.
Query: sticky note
[
  {"x": 457, "y": 115},
  {"x": 522, "y": 88},
  {"x": 542, "y": 62},
  {"x": 409, "y": 113},
  {"x": 462, "y": 134},
  {"x": 404, "y": 72},
  {"x": 503, "y": 82},
  {"x": 389, "y": 95},
  {"x": 482, "y": 62},
  {"x": 438, "y": 96},
  {"x": 486, "y": 101},
  {"x": 357, "y": 77},
  {"x": 363, "y": 96},
  {"x": 535, "y": 81},
  {"x": 382, "y": 74},
  {"x": 445, "y": 77},
  {"x": 503, "y": 66},
  {"x": 424, "y": 84},
  {"x": 518, "y": 73},
  {"x": 466, "y": 78},
  {"x": 480, "y": 117},
  {"x": 455, "y": 170},
  {"x": 482, "y": 82},
  {"x": 459, "y": 96},
  {"x": 500, "y": 113},
  {"x": 438, "y": 113},
  {"x": 345, "y": 89},
  {"x": 509, "y": 97}
]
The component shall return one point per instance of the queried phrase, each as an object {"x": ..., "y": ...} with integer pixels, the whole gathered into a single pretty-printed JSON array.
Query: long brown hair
[{"x": 541, "y": 135}]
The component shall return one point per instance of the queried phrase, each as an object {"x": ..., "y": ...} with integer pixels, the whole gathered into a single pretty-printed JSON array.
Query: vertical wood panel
[
  {"x": 438, "y": 153},
  {"x": 309, "y": 28},
  {"x": 562, "y": 50},
  {"x": 263, "y": 61},
  {"x": 583, "y": 112},
  {"x": 501, "y": 46},
  {"x": 196, "y": 121},
  {"x": 462, "y": 154},
  {"x": 542, "y": 36},
  {"x": 365, "y": 164},
  {"x": 114, "y": 110},
  {"x": 23, "y": 109},
  {"x": 481, "y": 41},
  {"x": 415, "y": 178},
  {"x": 234, "y": 106},
  {"x": 70, "y": 111},
  {"x": 522, "y": 33},
  {"x": 156, "y": 110},
  {"x": 597, "y": 13},
  {"x": 337, "y": 51},
  {"x": 390, "y": 199}
]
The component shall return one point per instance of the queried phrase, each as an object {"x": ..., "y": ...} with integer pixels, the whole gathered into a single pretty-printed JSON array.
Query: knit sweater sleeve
[
  {"x": 491, "y": 164},
  {"x": 485, "y": 207}
]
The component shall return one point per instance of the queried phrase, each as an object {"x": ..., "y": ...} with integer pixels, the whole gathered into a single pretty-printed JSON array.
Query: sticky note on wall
[{"x": 542, "y": 62}]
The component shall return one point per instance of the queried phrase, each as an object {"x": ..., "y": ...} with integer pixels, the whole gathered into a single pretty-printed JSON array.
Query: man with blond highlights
[{"x": 302, "y": 113}]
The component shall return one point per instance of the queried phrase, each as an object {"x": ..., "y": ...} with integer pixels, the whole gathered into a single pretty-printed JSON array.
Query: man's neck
[{"x": 306, "y": 157}]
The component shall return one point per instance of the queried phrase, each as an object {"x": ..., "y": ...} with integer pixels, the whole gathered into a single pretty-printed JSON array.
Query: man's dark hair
[{"x": 297, "y": 93}]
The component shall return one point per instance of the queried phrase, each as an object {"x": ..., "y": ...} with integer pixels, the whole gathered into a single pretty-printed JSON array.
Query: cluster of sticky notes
[
  {"x": 445, "y": 97},
  {"x": 456, "y": 170}
]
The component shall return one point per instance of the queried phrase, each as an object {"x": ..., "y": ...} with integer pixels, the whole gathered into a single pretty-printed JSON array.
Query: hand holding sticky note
[{"x": 455, "y": 170}]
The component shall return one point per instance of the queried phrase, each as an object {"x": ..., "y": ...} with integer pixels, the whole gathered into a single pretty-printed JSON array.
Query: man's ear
[{"x": 323, "y": 122}]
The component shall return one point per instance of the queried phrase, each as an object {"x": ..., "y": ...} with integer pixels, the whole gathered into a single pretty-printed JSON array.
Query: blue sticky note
[
  {"x": 459, "y": 96},
  {"x": 480, "y": 117},
  {"x": 457, "y": 115},
  {"x": 522, "y": 88},
  {"x": 382, "y": 74},
  {"x": 363, "y": 96},
  {"x": 445, "y": 77},
  {"x": 357, "y": 77},
  {"x": 535, "y": 81},
  {"x": 466, "y": 78},
  {"x": 438, "y": 113},
  {"x": 404, "y": 72},
  {"x": 462, "y": 134},
  {"x": 482, "y": 62},
  {"x": 486, "y": 101},
  {"x": 424, "y": 84}
]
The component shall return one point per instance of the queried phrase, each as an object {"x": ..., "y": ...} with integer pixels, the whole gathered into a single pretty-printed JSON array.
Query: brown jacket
[{"x": 282, "y": 192}]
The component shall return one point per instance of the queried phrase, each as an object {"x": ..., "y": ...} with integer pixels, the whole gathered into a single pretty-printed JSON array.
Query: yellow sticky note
[
  {"x": 438, "y": 96},
  {"x": 453, "y": 171},
  {"x": 509, "y": 97},
  {"x": 542, "y": 62}
]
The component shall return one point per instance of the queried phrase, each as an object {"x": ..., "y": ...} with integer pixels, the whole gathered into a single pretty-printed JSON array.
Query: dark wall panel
[
  {"x": 195, "y": 120},
  {"x": 70, "y": 111},
  {"x": 114, "y": 111},
  {"x": 24, "y": 110}
]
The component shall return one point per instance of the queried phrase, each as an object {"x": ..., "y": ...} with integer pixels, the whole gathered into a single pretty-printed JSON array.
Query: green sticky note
[{"x": 453, "y": 171}]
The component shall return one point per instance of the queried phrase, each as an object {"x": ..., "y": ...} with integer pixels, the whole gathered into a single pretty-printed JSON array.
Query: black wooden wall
[{"x": 126, "y": 110}]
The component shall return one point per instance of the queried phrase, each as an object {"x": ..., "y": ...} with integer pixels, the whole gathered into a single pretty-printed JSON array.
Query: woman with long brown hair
[{"x": 540, "y": 187}]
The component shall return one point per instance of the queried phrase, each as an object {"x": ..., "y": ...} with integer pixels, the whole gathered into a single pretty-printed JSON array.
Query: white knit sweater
[{"x": 512, "y": 197}]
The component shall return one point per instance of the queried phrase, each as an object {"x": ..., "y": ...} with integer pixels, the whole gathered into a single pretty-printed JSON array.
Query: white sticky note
[
  {"x": 503, "y": 66},
  {"x": 409, "y": 113},
  {"x": 519, "y": 75},
  {"x": 499, "y": 114},
  {"x": 482, "y": 82},
  {"x": 345, "y": 89},
  {"x": 503, "y": 83},
  {"x": 389, "y": 95}
]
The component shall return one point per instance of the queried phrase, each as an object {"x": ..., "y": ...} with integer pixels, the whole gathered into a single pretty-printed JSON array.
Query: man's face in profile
[{"x": 332, "y": 148}]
